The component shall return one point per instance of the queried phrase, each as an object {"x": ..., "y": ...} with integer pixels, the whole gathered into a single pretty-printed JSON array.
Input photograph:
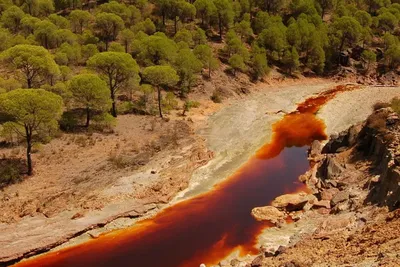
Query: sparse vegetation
[
  {"x": 395, "y": 104},
  {"x": 380, "y": 105}
]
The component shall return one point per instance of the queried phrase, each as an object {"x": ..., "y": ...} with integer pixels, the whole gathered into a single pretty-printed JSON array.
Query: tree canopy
[{"x": 33, "y": 113}]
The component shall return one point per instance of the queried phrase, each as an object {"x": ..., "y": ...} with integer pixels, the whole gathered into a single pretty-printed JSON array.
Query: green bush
[
  {"x": 104, "y": 122},
  {"x": 216, "y": 97},
  {"x": 10, "y": 172},
  {"x": 125, "y": 107},
  {"x": 379, "y": 105},
  {"x": 396, "y": 104},
  {"x": 69, "y": 121}
]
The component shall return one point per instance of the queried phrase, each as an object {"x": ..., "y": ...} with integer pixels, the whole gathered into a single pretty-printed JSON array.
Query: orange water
[{"x": 209, "y": 227}]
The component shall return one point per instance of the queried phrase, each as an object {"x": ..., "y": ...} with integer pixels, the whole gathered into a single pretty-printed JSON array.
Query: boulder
[
  {"x": 330, "y": 168},
  {"x": 257, "y": 262},
  {"x": 336, "y": 141},
  {"x": 340, "y": 197},
  {"x": 322, "y": 204},
  {"x": 315, "y": 149},
  {"x": 292, "y": 202},
  {"x": 268, "y": 213},
  {"x": 268, "y": 251},
  {"x": 328, "y": 194},
  {"x": 235, "y": 263}
]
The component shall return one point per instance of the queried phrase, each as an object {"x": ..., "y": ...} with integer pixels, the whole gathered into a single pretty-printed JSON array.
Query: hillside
[{"x": 105, "y": 106}]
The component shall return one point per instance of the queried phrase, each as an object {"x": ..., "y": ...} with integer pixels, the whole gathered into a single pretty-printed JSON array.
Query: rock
[
  {"x": 375, "y": 179},
  {"x": 203, "y": 265},
  {"x": 322, "y": 204},
  {"x": 341, "y": 149},
  {"x": 268, "y": 213},
  {"x": 353, "y": 133},
  {"x": 393, "y": 118},
  {"x": 341, "y": 207},
  {"x": 268, "y": 251},
  {"x": 328, "y": 194},
  {"x": 224, "y": 263},
  {"x": 235, "y": 263},
  {"x": 332, "y": 183},
  {"x": 280, "y": 250},
  {"x": 336, "y": 141},
  {"x": 330, "y": 168},
  {"x": 292, "y": 202},
  {"x": 340, "y": 197},
  {"x": 315, "y": 149},
  {"x": 257, "y": 262}
]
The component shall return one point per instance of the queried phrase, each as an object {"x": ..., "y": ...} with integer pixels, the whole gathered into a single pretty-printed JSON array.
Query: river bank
[{"x": 247, "y": 124}]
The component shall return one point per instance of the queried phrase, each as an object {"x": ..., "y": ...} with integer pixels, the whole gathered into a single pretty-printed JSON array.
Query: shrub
[
  {"x": 119, "y": 161},
  {"x": 396, "y": 105},
  {"x": 377, "y": 121},
  {"x": 104, "y": 122},
  {"x": 216, "y": 97},
  {"x": 125, "y": 107},
  {"x": 10, "y": 171},
  {"x": 379, "y": 105},
  {"x": 69, "y": 121}
]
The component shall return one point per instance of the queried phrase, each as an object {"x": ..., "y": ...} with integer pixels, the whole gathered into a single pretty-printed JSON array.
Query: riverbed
[{"x": 214, "y": 223}]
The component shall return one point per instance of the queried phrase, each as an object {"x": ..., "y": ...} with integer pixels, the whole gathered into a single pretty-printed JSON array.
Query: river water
[{"x": 209, "y": 227}]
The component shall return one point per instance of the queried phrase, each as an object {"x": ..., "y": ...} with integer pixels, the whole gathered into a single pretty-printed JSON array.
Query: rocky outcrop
[
  {"x": 293, "y": 202},
  {"x": 383, "y": 148},
  {"x": 268, "y": 213}
]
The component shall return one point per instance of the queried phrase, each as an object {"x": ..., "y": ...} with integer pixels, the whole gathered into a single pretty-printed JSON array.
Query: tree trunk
[
  {"x": 163, "y": 18},
  {"x": 106, "y": 45},
  {"x": 159, "y": 101},
  {"x": 29, "y": 82},
  {"x": 220, "y": 26},
  {"x": 114, "y": 106},
  {"x": 28, "y": 150},
  {"x": 87, "y": 117}
]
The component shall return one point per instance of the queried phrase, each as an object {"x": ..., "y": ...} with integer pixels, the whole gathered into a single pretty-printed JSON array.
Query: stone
[
  {"x": 332, "y": 183},
  {"x": 328, "y": 194},
  {"x": 343, "y": 206},
  {"x": 333, "y": 168},
  {"x": 322, "y": 204},
  {"x": 257, "y": 262},
  {"x": 224, "y": 263},
  {"x": 375, "y": 179},
  {"x": 341, "y": 149},
  {"x": 354, "y": 131},
  {"x": 336, "y": 141},
  {"x": 340, "y": 197},
  {"x": 315, "y": 149},
  {"x": 268, "y": 213},
  {"x": 392, "y": 119},
  {"x": 235, "y": 263},
  {"x": 292, "y": 202},
  {"x": 280, "y": 250},
  {"x": 268, "y": 251},
  {"x": 203, "y": 265}
]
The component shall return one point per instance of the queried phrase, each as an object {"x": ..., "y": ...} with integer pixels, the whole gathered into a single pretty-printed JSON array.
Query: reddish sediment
[{"x": 209, "y": 227}]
